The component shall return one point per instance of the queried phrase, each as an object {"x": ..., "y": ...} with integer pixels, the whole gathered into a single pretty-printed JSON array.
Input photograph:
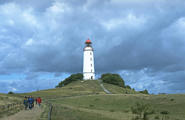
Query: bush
[
  {"x": 91, "y": 105},
  {"x": 156, "y": 117},
  {"x": 164, "y": 112},
  {"x": 142, "y": 110},
  {"x": 114, "y": 79},
  {"x": 112, "y": 110},
  {"x": 144, "y": 92},
  {"x": 10, "y": 92},
  {"x": 73, "y": 77},
  {"x": 128, "y": 87},
  {"x": 164, "y": 115}
]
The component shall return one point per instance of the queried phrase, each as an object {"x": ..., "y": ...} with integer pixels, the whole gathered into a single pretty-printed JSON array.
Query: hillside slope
[
  {"x": 79, "y": 88},
  {"x": 9, "y": 104},
  {"x": 118, "y": 107},
  {"x": 8, "y": 99},
  {"x": 86, "y": 100}
]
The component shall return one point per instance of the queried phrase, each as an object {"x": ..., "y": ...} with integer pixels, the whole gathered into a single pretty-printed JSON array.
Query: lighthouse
[{"x": 88, "y": 61}]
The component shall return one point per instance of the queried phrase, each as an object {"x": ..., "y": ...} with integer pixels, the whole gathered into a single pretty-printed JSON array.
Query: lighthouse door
[{"x": 91, "y": 77}]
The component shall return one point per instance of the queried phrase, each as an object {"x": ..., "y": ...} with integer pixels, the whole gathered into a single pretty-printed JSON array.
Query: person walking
[
  {"x": 36, "y": 101},
  {"x": 25, "y": 103},
  {"x": 31, "y": 102},
  {"x": 39, "y": 100}
]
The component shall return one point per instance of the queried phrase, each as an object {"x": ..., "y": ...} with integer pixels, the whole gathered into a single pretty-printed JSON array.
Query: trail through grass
[{"x": 33, "y": 114}]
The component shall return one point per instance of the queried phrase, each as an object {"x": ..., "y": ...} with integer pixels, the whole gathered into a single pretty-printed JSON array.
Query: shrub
[
  {"x": 10, "y": 92},
  {"x": 157, "y": 117},
  {"x": 164, "y": 115},
  {"x": 112, "y": 110},
  {"x": 142, "y": 110},
  {"x": 73, "y": 77},
  {"x": 114, "y": 79},
  {"x": 128, "y": 87},
  {"x": 91, "y": 105},
  {"x": 164, "y": 112},
  {"x": 144, "y": 91}
]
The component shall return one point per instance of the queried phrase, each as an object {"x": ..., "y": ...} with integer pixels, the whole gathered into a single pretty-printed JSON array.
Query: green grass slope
[
  {"x": 119, "y": 90},
  {"x": 87, "y": 101},
  {"x": 72, "y": 89},
  {"x": 118, "y": 107},
  {"x": 79, "y": 88}
]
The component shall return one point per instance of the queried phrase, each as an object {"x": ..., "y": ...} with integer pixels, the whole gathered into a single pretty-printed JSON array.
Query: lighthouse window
[
  {"x": 91, "y": 65},
  {"x": 91, "y": 70},
  {"x": 91, "y": 59},
  {"x": 90, "y": 53}
]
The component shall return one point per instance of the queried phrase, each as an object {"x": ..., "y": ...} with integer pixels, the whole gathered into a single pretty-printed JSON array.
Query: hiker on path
[
  {"x": 39, "y": 100},
  {"x": 31, "y": 102},
  {"x": 25, "y": 103},
  {"x": 36, "y": 101}
]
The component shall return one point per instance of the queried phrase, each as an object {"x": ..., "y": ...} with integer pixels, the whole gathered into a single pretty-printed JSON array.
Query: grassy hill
[
  {"x": 118, "y": 106},
  {"x": 86, "y": 100},
  {"x": 77, "y": 88}
]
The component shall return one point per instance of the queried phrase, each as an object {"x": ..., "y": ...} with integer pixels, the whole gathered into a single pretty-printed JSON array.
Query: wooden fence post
[{"x": 50, "y": 110}]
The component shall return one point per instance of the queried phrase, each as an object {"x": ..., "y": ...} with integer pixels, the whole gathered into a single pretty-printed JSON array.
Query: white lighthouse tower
[{"x": 88, "y": 62}]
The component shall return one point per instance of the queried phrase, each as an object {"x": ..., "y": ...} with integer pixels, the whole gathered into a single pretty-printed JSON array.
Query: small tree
[
  {"x": 142, "y": 110},
  {"x": 114, "y": 79}
]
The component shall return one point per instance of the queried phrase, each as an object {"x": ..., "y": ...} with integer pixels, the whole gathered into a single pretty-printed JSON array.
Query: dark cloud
[{"x": 145, "y": 38}]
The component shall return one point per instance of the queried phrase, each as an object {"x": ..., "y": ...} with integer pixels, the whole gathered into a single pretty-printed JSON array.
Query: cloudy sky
[{"x": 41, "y": 42}]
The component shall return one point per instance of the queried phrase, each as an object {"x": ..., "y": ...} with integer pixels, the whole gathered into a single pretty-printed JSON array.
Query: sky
[{"x": 41, "y": 42}]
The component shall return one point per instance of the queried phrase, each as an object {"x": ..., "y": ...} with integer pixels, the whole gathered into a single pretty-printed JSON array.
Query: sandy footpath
[{"x": 33, "y": 114}]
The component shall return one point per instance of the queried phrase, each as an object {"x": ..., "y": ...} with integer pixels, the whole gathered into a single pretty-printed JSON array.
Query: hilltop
[{"x": 81, "y": 88}]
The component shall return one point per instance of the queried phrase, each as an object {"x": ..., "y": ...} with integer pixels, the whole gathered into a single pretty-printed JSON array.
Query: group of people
[{"x": 29, "y": 102}]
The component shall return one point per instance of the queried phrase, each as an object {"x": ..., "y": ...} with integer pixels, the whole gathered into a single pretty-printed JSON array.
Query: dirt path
[
  {"x": 104, "y": 89},
  {"x": 33, "y": 114}
]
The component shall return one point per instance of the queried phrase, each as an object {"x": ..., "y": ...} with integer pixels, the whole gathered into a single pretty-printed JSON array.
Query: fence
[
  {"x": 50, "y": 110},
  {"x": 50, "y": 106}
]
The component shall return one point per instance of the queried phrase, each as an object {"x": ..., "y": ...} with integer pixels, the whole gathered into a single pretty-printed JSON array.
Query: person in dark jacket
[
  {"x": 25, "y": 103},
  {"x": 36, "y": 101},
  {"x": 31, "y": 102}
]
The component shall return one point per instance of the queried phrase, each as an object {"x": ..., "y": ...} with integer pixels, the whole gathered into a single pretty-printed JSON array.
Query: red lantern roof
[{"x": 88, "y": 41}]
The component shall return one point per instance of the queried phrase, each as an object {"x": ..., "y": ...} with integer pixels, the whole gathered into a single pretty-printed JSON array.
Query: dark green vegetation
[
  {"x": 142, "y": 110},
  {"x": 85, "y": 100},
  {"x": 109, "y": 78},
  {"x": 73, "y": 77},
  {"x": 10, "y": 92},
  {"x": 144, "y": 92},
  {"x": 114, "y": 79}
]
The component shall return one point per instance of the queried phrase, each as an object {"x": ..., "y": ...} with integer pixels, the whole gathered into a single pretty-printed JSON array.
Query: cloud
[{"x": 144, "y": 39}]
